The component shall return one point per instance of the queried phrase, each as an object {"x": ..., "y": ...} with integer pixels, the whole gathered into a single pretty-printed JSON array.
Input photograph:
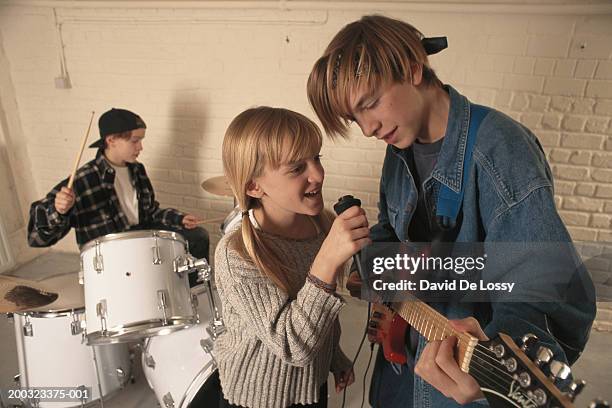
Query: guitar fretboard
[{"x": 435, "y": 327}]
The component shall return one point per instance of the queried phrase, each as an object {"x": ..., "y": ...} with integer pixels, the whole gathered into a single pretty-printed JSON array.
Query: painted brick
[
  {"x": 531, "y": 120},
  {"x": 544, "y": 66},
  {"x": 507, "y": 45},
  {"x": 564, "y": 187},
  {"x": 548, "y": 46},
  {"x": 551, "y": 121},
  {"x": 590, "y": 47},
  {"x": 570, "y": 172},
  {"x": 560, "y": 155},
  {"x": 586, "y": 190},
  {"x": 602, "y": 160},
  {"x": 608, "y": 207},
  {"x": 583, "y": 106},
  {"x": 524, "y": 65},
  {"x": 573, "y": 123},
  {"x": 608, "y": 145},
  {"x": 604, "y": 236},
  {"x": 604, "y": 192},
  {"x": 520, "y": 102},
  {"x": 575, "y": 218},
  {"x": 585, "y": 69},
  {"x": 597, "y": 125},
  {"x": 548, "y": 138},
  {"x": 604, "y": 70},
  {"x": 539, "y": 103},
  {"x": 581, "y": 158},
  {"x": 582, "y": 234},
  {"x": 599, "y": 89},
  {"x": 503, "y": 98},
  {"x": 526, "y": 83},
  {"x": 561, "y": 103},
  {"x": 582, "y": 141},
  {"x": 564, "y": 86},
  {"x": 604, "y": 107},
  {"x": 602, "y": 175},
  {"x": 565, "y": 67},
  {"x": 601, "y": 221}
]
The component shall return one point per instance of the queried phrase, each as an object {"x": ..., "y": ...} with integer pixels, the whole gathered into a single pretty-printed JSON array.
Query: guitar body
[{"x": 390, "y": 332}]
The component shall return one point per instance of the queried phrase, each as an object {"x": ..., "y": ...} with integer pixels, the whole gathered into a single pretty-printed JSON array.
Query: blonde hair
[
  {"x": 372, "y": 51},
  {"x": 256, "y": 138}
]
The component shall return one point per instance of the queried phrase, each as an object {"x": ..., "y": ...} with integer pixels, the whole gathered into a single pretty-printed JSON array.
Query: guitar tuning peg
[
  {"x": 543, "y": 356},
  {"x": 528, "y": 341},
  {"x": 575, "y": 388},
  {"x": 599, "y": 403},
  {"x": 559, "y": 370}
]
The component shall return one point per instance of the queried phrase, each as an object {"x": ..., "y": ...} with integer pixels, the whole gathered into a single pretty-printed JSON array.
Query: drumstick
[
  {"x": 211, "y": 220},
  {"x": 78, "y": 159}
]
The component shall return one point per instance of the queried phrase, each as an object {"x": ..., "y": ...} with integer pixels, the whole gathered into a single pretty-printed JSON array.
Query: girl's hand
[
  {"x": 343, "y": 379},
  {"x": 348, "y": 234}
]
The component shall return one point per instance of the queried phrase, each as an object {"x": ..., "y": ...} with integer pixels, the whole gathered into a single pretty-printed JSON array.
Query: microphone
[{"x": 343, "y": 204}]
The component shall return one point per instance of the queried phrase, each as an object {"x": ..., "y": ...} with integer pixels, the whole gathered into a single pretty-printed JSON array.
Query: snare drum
[
  {"x": 133, "y": 287},
  {"x": 51, "y": 350},
  {"x": 178, "y": 365}
]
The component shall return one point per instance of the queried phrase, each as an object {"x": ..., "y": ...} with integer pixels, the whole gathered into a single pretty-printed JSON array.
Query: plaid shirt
[{"x": 96, "y": 211}]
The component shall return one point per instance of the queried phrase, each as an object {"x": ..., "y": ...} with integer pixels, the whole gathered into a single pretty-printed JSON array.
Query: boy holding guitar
[{"x": 376, "y": 72}]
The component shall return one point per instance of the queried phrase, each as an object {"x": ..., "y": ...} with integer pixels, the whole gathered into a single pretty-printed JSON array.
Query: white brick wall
[{"x": 189, "y": 71}]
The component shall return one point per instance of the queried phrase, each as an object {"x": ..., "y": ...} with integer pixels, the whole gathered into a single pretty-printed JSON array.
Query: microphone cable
[{"x": 365, "y": 332}]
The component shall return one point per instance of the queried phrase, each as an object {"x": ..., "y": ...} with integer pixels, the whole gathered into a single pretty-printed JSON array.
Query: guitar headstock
[{"x": 508, "y": 378}]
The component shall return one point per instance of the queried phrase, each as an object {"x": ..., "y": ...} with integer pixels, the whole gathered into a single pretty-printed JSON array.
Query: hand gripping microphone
[{"x": 343, "y": 204}]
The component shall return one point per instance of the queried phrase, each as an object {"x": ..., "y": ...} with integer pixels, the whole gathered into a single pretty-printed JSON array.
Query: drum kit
[{"x": 80, "y": 330}]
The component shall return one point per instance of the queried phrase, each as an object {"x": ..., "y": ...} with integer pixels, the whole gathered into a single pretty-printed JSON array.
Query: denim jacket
[{"x": 508, "y": 198}]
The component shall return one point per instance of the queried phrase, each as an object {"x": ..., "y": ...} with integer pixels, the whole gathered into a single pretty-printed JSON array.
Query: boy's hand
[
  {"x": 437, "y": 365},
  {"x": 64, "y": 200},
  {"x": 190, "y": 221}
]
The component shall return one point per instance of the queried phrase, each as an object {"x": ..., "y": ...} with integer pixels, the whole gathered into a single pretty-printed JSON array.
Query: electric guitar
[{"x": 506, "y": 376}]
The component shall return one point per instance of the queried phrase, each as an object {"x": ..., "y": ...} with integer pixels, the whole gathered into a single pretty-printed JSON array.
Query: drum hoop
[
  {"x": 191, "y": 390},
  {"x": 134, "y": 234},
  {"x": 50, "y": 314},
  {"x": 139, "y": 330}
]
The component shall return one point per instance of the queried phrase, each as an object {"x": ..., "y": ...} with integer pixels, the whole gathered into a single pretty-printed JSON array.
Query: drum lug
[
  {"x": 101, "y": 313},
  {"x": 168, "y": 401},
  {"x": 121, "y": 377},
  {"x": 157, "y": 260},
  {"x": 28, "y": 330},
  {"x": 207, "y": 345},
  {"x": 17, "y": 379},
  {"x": 150, "y": 361},
  {"x": 162, "y": 300},
  {"x": 98, "y": 260},
  {"x": 75, "y": 325}
]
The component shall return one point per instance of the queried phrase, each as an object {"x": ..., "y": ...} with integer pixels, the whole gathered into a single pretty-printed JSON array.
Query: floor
[{"x": 594, "y": 366}]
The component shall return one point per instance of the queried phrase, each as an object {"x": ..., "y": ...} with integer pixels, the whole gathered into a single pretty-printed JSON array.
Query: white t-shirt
[{"x": 126, "y": 193}]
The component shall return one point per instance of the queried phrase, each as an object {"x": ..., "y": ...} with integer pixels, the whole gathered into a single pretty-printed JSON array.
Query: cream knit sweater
[{"x": 275, "y": 351}]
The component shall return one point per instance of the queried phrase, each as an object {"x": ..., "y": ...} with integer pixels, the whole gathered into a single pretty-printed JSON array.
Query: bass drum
[{"x": 180, "y": 367}]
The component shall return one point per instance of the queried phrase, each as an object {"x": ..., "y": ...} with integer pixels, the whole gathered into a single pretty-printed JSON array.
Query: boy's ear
[
  {"x": 417, "y": 73},
  {"x": 254, "y": 189}
]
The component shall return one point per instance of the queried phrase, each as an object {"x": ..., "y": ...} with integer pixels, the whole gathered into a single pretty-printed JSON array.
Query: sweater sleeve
[
  {"x": 47, "y": 226},
  {"x": 294, "y": 330}
]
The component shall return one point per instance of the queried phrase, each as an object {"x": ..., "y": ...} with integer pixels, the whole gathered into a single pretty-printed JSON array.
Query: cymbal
[
  {"x": 218, "y": 186},
  {"x": 20, "y": 294},
  {"x": 71, "y": 293}
]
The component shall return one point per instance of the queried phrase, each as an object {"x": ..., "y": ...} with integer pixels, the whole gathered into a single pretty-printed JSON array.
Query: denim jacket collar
[{"x": 449, "y": 167}]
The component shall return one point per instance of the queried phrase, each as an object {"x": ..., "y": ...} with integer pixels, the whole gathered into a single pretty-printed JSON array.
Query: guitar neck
[{"x": 435, "y": 327}]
